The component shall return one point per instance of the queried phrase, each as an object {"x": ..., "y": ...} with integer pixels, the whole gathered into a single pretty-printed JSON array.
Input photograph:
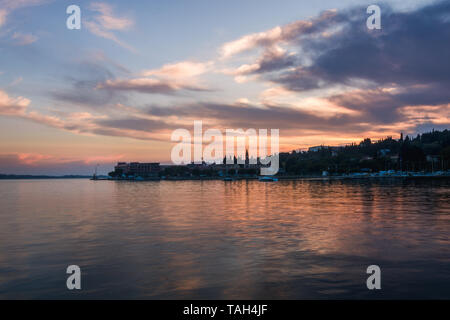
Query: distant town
[{"x": 426, "y": 154}]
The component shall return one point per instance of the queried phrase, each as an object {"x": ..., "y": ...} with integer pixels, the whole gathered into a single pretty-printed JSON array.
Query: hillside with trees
[{"x": 424, "y": 152}]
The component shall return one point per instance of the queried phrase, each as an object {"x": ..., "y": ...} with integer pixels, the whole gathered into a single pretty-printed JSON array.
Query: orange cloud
[
  {"x": 32, "y": 159},
  {"x": 22, "y": 39},
  {"x": 272, "y": 37},
  {"x": 180, "y": 70},
  {"x": 36, "y": 159},
  {"x": 12, "y": 106},
  {"x": 107, "y": 19},
  {"x": 3, "y": 14},
  {"x": 105, "y": 22}
]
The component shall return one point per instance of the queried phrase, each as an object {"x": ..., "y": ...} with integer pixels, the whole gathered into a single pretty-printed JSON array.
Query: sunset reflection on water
[{"x": 218, "y": 240}]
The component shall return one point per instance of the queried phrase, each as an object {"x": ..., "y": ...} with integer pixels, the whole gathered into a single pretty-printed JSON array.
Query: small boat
[
  {"x": 267, "y": 179},
  {"x": 228, "y": 179}
]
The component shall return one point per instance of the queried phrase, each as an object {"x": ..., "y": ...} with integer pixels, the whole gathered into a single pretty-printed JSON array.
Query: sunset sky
[{"x": 137, "y": 70}]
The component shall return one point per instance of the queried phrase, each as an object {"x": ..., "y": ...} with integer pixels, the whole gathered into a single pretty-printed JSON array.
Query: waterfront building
[{"x": 138, "y": 169}]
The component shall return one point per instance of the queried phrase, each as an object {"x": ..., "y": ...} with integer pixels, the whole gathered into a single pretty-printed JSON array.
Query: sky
[{"x": 135, "y": 71}]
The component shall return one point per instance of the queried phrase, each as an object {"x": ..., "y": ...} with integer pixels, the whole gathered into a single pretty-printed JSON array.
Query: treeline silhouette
[{"x": 425, "y": 152}]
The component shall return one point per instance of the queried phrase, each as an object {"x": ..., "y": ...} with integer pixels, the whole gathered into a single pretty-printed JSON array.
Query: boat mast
[{"x": 95, "y": 173}]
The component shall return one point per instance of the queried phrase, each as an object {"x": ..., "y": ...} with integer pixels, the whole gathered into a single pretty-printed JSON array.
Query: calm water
[{"x": 218, "y": 240}]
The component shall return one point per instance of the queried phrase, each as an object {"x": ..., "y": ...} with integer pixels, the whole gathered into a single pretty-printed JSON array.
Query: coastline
[
  {"x": 237, "y": 178},
  {"x": 290, "y": 178}
]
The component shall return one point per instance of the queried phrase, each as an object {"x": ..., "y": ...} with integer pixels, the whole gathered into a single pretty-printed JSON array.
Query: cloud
[
  {"x": 385, "y": 104},
  {"x": 180, "y": 70},
  {"x": 36, "y": 163},
  {"x": 136, "y": 124},
  {"x": 105, "y": 22},
  {"x": 107, "y": 19},
  {"x": 117, "y": 124},
  {"x": 147, "y": 85},
  {"x": 326, "y": 76},
  {"x": 273, "y": 59},
  {"x": 379, "y": 72},
  {"x": 278, "y": 35},
  {"x": 99, "y": 57},
  {"x": 296, "y": 121},
  {"x": 100, "y": 32},
  {"x": 251, "y": 41},
  {"x": 16, "y": 4},
  {"x": 15, "y": 82},
  {"x": 31, "y": 159},
  {"x": 168, "y": 80},
  {"x": 21, "y": 39},
  {"x": 245, "y": 115},
  {"x": 9, "y": 6},
  {"x": 3, "y": 14},
  {"x": 156, "y": 122},
  {"x": 410, "y": 49},
  {"x": 12, "y": 106},
  {"x": 83, "y": 81},
  {"x": 336, "y": 47}
]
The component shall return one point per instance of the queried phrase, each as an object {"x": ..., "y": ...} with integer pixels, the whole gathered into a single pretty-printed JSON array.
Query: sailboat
[{"x": 94, "y": 176}]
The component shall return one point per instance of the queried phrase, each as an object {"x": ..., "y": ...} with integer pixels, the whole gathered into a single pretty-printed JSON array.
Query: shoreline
[
  {"x": 238, "y": 178},
  {"x": 290, "y": 178}
]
